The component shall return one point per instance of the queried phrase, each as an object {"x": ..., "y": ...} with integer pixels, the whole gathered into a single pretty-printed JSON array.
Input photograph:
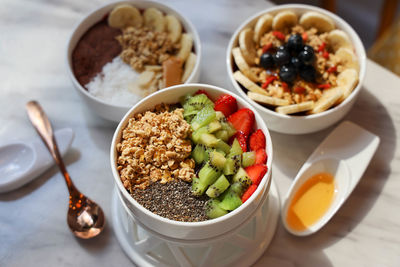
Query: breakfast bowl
[
  {"x": 300, "y": 66},
  {"x": 124, "y": 51},
  {"x": 189, "y": 230}
]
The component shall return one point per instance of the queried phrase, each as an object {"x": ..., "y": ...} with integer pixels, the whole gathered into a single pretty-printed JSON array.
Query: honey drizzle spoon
[{"x": 85, "y": 218}]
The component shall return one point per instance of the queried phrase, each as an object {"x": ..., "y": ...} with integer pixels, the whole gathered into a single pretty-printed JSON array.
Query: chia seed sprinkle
[{"x": 173, "y": 200}]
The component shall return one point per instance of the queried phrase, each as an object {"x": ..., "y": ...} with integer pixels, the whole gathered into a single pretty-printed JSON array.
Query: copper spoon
[{"x": 85, "y": 218}]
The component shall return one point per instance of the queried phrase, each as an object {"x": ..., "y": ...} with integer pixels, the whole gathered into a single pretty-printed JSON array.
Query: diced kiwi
[
  {"x": 242, "y": 178},
  {"x": 198, "y": 188},
  {"x": 222, "y": 134},
  {"x": 213, "y": 210},
  {"x": 199, "y": 153},
  {"x": 230, "y": 200},
  {"x": 217, "y": 159},
  {"x": 208, "y": 140},
  {"x": 208, "y": 174},
  {"x": 223, "y": 146},
  {"x": 227, "y": 126},
  {"x": 248, "y": 158},
  {"x": 183, "y": 99},
  {"x": 237, "y": 188},
  {"x": 203, "y": 117},
  {"x": 236, "y": 149},
  {"x": 232, "y": 164},
  {"x": 197, "y": 102},
  {"x": 214, "y": 126},
  {"x": 196, "y": 134},
  {"x": 218, "y": 187},
  {"x": 219, "y": 115}
]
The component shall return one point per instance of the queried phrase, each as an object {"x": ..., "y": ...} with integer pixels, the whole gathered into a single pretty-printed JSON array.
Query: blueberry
[
  {"x": 281, "y": 57},
  {"x": 295, "y": 43},
  {"x": 307, "y": 55},
  {"x": 282, "y": 48},
  {"x": 267, "y": 60},
  {"x": 287, "y": 73},
  {"x": 307, "y": 72},
  {"x": 296, "y": 62}
]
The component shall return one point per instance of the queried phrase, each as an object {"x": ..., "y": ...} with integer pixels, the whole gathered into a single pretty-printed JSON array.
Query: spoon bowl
[{"x": 85, "y": 218}]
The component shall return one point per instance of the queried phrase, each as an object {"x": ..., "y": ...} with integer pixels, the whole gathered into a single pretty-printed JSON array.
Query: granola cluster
[
  {"x": 155, "y": 146},
  {"x": 142, "y": 46},
  {"x": 323, "y": 63}
]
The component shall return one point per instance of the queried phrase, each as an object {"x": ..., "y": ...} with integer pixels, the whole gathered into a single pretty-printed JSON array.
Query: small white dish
[
  {"x": 22, "y": 161},
  {"x": 345, "y": 154}
]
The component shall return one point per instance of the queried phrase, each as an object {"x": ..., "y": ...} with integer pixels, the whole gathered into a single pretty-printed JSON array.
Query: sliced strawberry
[
  {"x": 243, "y": 120},
  {"x": 242, "y": 138},
  {"x": 256, "y": 172},
  {"x": 201, "y": 91},
  {"x": 247, "y": 194},
  {"x": 261, "y": 156},
  {"x": 226, "y": 104},
  {"x": 257, "y": 140}
]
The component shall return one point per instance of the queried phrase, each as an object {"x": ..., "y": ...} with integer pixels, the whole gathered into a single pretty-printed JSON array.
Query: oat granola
[{"x": 155, "y": 146}]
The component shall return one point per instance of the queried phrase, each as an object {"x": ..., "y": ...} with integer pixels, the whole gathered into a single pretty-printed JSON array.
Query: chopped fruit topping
[
  {"x": 325, "y": 54},
  {"x": 332, "y": 69},
  {"x": 261, "y": 156},
  {"x": 226, "y": 104},
  {"x": 246, "y": 195},
  {"x": 243, "y": 120},
  {"x": 324, "y": 86},
  {"x": 267, "y": 60},
  {"x": 257, "y": 140},
  {"x": 269, "y": 80},
  {"x": 299, "y": 90},
  {"x": 279, "y": 35},
  {"x": 256, "y": 172},
  {"x": 242, "y": 138},
  {"x": 198, "y": 92},
  {"x": 304, "y": 36},
  {"x": 322, "y": 47},
  {"x": 285, "y": 87},
  {"x": 266, "y": 47}
]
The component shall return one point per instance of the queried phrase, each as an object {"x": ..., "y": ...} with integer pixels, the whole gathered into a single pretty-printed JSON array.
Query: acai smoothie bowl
[
  {"x": 191, "y": 161},
  {"x": 124, "y": 51}
]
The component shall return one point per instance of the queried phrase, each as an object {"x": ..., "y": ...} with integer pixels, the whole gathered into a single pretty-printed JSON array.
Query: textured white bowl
[
  {"x": 190, "y": 230},
  {"x": 309, "y": 123},
  {"x": 98, "y": 106}
]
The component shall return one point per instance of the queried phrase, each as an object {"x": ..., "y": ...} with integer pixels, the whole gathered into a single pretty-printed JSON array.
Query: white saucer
[{"x": 241, "y": 247}]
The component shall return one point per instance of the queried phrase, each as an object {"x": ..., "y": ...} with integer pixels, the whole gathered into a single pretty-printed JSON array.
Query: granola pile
[{"x": 155, "y": 146}]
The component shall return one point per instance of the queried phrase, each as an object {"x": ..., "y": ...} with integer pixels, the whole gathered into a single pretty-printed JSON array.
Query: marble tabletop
[{"x": 33, "y": 229}]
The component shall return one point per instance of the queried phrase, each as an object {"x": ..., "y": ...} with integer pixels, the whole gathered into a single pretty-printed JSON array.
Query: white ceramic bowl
[
  {"x": 309, "y": 123},
  {"x": 190, "y": 230},
  {"x": 100, "y": 107}
]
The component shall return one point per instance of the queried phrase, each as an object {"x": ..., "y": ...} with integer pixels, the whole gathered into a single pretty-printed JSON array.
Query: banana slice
[
  {"x": 272, "y": 101},
  {"x": 283, "y": 20},
  {"x": 328, "y": 99},
  {"x": 186, "y": 47},
  {"x": 347, "y": 81},
  {"x": 295, "y": 108},
  {"x": 145, "y": 79},
  {"x": 248, "y": 84},
  {"x": 317, "y": 20},
  {"x": 347, "y": 58},
  {"x": 242, "y": 64},
  {"x": 338, "y": 39},
  {"x": 189, "y": 66},
  {"x": 174, "y": 28},
  {"x": 264, "y": 24},
  {"x": 154, "y": 19},
  {"x": 123, "y": 16},
  {"x": 247, "y": 46},
  {"x": 155, "y": 68}
]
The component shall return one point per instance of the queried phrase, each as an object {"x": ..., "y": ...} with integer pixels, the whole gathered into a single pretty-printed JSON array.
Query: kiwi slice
[
  {"x": 203, "y": 117},
  {"x": 208, "y": 140},
  {"x": 230, "y": 200},
  {"x": 196, "y": 134},
  {"x": 213, "y": 210},
  {"x": 232, "y": 164},
  {"x": 197, "y": 187},
  {"x": 218, "y": 187},
  {"x": 236, "y": 149},
  {"x": 242, "y": 178},
  {"x": 197, "y": 102},
  {"x": 237, "y": 188},
  {"x": 222, "y": 134},
  {"x": 217, "y": 159},
  {"x": 208, "y": 174},
  {"x": 199, "y": 153},
  {"x": 221, "y": 145},
  {"x": 183, "y": 99},
  {"x": 248, "y": 158},
  {"x": 214, "y": 126}
]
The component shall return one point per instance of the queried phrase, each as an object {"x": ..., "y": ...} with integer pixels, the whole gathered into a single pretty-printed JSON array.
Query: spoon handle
[{"x": 43, "y": 127}]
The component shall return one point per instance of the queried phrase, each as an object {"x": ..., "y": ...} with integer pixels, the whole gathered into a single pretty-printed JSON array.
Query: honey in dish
[{"x": 311, "y": 201}]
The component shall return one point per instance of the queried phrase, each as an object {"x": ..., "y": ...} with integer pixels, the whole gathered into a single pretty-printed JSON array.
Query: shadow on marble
[{"x": 73, "y": 155}]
